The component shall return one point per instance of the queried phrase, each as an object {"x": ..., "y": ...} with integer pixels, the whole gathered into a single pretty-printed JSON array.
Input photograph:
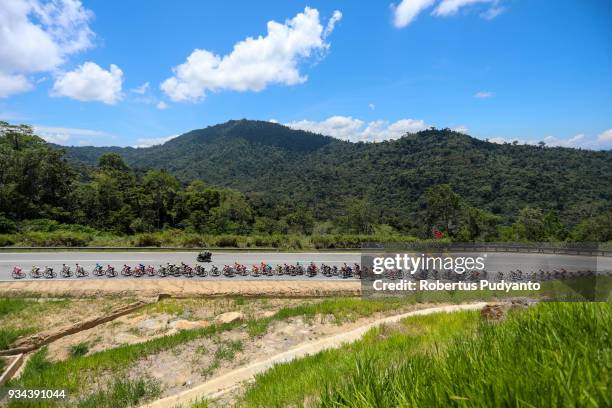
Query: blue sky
[{"x": 137, "y": 73}]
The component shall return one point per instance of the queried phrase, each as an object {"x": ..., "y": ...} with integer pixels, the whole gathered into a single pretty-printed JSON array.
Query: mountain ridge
[{"x": 320, "y": 171}]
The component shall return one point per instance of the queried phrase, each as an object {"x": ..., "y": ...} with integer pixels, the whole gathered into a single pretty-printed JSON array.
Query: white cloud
[
  {"x": 13, "y": 83},
  {"x": 371, "y": 106},
  {"x": 604, "y": 140},
  {"x": 580, "y": 140},
  {"x": 450, "y": 7},
  {"x": 61, "y": 135},
  {"x": 492, "y": 12},
  {"x": 37, "y": 36},
  {"x": 405, "y": 12},
  {"x": 161, "y": 105},
  {"x": 605, "y": 136},
  {"x": 142, "y": 89},
  {"x": 90, "y": 82},
  {"x": 254, "y": 63},
  {"x": 460, "y": 129},
  {"x": 331, "y": 24},
  {"x": 355, "y": 130},
  {"x": 484, "y": 94},
  {"x": 148, "y": 142},
  {"x": 575, "y": 141}
]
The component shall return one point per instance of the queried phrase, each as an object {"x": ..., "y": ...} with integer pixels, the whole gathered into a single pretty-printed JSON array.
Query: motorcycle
[{"x": 204, "y": 256}]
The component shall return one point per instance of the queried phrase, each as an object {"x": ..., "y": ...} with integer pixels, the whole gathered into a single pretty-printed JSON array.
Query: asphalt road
[{"x": 495, "y": 262}]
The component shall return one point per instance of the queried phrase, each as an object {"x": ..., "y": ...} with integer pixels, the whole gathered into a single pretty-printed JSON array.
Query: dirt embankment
[
  {"x": 229, "y": 380},
  {"x": 182, "y": 288}
]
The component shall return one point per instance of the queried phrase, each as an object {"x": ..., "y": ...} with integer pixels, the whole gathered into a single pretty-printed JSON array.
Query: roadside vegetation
[
  {"x": 553, "y": 354},
  {"x": 22, "y": 316},
  {"x": 14, "y": 322},
  {"x": 80, "y": 369}
]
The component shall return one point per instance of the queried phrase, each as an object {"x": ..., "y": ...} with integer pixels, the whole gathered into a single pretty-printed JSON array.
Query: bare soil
[{"x": 183, "y": 288}]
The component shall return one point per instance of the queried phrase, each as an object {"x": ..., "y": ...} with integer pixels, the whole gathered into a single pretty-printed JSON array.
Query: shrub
[
  {"x": 273, "y": 241},
  {"x": 39, "y": 225},
  {"x": 57, "y": 238},
  {"x": 6, "y": 240},
  {"x": 7, "y": 225},
  {"x": 227, "y": 241},
  {"x": 193, "y": 241},
  {"x": 146, "y": 240}
]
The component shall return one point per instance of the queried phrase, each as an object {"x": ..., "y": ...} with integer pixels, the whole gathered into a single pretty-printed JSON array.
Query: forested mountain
[{"x": 322, "y": 173}]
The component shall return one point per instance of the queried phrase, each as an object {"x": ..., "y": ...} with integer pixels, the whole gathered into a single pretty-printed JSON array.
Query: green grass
[
  {"x": 27, "y": 309},
  {"x": 13, "y": 305},
  {"x": 8, "y": 335},
  {"x": 79, "y": 349},
  {"x": 123, "y": 393},
  {"x": 2, "y": 364},
  {"x": 200, "y": 404},
  {"x": 552, "y": 355},
  {"x": 73, "y": 373},
  {"x": 169, "y": 306},
  {"x": 226, "y": 350},
  {"x": 291, "y": 384}
]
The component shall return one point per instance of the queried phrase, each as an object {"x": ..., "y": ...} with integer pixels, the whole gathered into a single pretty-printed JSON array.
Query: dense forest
[{"x": 259, "y": 178}]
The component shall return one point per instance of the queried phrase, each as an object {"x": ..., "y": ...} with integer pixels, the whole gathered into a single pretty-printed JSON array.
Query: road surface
[{"x": 495, "y": 262}]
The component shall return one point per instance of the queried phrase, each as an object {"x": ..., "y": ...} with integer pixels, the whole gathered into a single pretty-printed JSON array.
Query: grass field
[{"x": 552, "y": 355}]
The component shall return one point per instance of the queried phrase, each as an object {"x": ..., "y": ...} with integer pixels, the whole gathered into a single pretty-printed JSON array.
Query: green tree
[
  {"x": 162, "y": 188},
  {"x": 554, "y": 230},
  {"x": 480, "y": 225},
  {"x": 300, "y": 220},
  {"x": 112, "y": 161},
  {"x": 594, "y": 229},
  {"x": 443, "y": 208},
  {"x": 360, "y": 217},
  {"x": 530, "y": 225}
]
